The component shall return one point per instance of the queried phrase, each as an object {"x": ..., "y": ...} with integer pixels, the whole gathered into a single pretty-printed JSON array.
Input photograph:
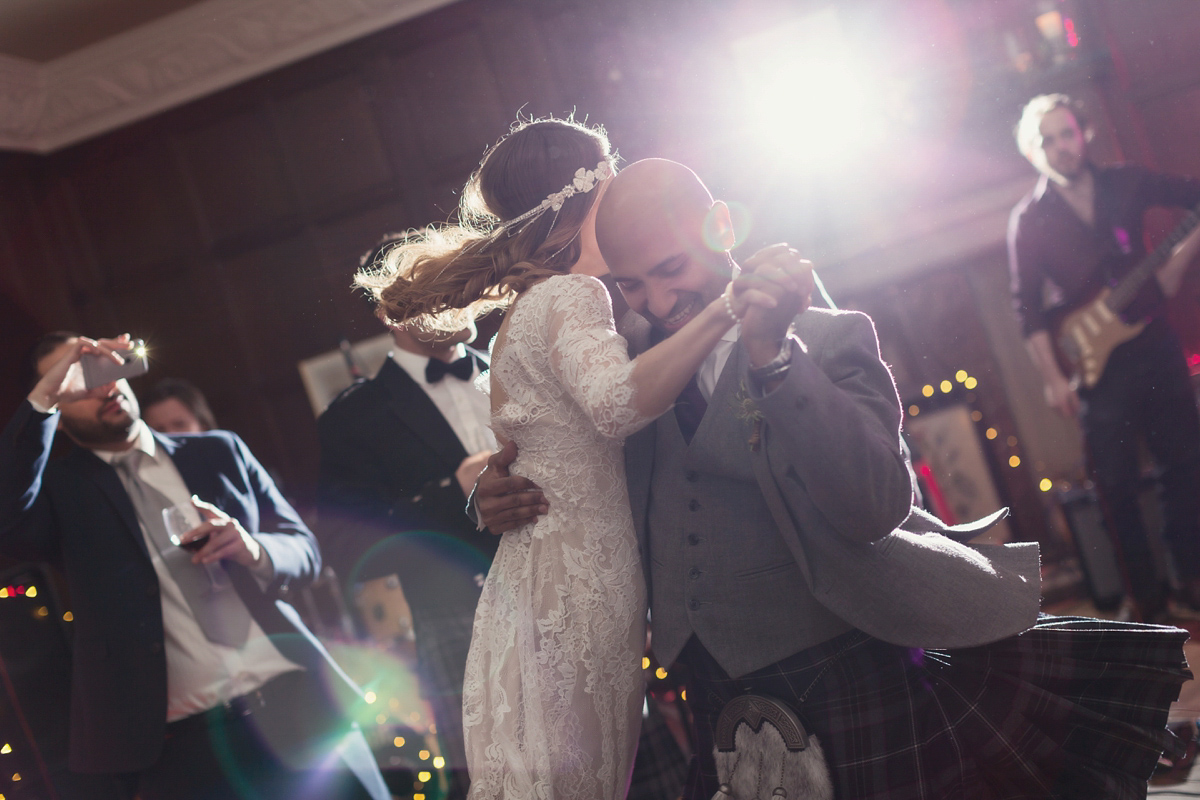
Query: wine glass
[{"x": 182, "y": 518}]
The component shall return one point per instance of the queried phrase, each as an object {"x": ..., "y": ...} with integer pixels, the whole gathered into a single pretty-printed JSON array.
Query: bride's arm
[{"x": 590, "y": 359}]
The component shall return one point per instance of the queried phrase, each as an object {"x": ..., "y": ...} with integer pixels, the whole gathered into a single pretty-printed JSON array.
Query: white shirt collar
[{"x": 414, "y": 364}]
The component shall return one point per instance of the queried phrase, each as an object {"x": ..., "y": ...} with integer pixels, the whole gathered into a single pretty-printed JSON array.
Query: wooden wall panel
[
  {"x": 269, "y": 308},
  {"x": 452, "y": 75},
  {"x": 340, "y": 243},
  {"x": 333, "y": 146},
  {"x": 135, "y": 210},
  {"x": 237, "y": 177}
]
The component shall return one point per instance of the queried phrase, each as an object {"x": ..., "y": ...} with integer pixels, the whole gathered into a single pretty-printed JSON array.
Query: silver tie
[{"x": 215, "y": 604}]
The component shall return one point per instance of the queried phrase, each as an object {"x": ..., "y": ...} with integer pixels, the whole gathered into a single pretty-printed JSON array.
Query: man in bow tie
[{"x": 399, "y": 455}]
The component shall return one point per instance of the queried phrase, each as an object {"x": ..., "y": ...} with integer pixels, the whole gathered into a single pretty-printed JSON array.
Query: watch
[{"x": 776, "y": 368}]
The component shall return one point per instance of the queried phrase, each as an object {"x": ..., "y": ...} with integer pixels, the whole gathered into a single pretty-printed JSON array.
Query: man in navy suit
[{"x": 192, "y": 677}]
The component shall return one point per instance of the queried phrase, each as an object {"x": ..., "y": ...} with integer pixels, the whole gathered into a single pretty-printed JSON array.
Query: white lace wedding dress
[{"x": 553, "y": 692}]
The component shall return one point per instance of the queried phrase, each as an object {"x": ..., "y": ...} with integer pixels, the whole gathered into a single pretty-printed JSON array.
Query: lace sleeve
[{"x": 589, "y": 358}]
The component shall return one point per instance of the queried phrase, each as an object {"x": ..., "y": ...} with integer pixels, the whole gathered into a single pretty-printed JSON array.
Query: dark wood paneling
[
  {"x": 239, "y": 182},
  {"x": 333, "y": 147},
  {"x": 452, "y": 75},
  {"x": 270, "y": 311},
  {"x": 135, "y": 209}
]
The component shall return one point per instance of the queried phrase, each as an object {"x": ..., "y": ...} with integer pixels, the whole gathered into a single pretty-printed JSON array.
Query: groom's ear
[{"x": 718, "y": 228}]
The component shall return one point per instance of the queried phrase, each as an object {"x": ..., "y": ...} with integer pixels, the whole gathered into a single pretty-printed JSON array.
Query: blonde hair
[
  {"x": 1028, "y": 132},
  {"x": 444, "y": 275}
]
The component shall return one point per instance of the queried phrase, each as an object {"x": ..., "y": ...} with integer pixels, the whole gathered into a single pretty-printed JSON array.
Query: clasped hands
[{"x": 775, "y": 285}]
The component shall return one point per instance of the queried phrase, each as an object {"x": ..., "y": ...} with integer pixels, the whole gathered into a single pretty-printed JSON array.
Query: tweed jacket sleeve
[{"x": 832, "y": 428}]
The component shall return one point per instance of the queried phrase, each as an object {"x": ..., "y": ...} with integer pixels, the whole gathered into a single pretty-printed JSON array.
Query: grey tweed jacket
[{"x": 829, "y": 480}]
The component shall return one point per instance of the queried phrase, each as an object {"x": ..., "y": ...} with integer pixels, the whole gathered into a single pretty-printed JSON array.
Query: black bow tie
[{"x": 462, "y": 369}]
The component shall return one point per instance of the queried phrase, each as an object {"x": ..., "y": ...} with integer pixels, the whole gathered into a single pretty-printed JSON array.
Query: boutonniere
[{"x": 747, "y": 411}]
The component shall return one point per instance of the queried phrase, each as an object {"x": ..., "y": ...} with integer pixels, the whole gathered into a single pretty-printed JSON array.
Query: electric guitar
[{"x": 1086, "y": 333}]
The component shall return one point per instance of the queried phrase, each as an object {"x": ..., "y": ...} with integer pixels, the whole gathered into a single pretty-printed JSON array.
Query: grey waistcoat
[{"x": 719, "y": 566}]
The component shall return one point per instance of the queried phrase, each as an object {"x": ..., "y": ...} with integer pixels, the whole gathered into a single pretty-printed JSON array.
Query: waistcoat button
[
  {"x": 694, "y": 573},
  {"x": 694, "y": 605},
  {"x": 692, "y": 476},
  {"x": 693, "y": 505},
  {"x": 693, "y": 539}
]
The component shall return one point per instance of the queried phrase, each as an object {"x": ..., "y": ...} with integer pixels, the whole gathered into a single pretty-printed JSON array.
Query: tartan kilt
[{"x": 1071, "y": 708}]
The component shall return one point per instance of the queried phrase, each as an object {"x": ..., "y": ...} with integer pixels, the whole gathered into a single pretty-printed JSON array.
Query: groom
[{"x": 774, "y": 505}]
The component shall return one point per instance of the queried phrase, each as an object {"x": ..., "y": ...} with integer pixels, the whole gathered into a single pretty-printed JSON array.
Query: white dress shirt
[
  {"x": 714, "y": 363},
  {"x": 200, "y": 674},
  {"x": 465, "y": 408}
]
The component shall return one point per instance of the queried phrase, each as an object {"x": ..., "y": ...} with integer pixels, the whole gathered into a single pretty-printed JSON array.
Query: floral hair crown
[{"x": 583, "y": 182}]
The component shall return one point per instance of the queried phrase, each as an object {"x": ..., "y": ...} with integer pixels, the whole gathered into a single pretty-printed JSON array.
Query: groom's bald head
[{"x": 665, "y": 241}]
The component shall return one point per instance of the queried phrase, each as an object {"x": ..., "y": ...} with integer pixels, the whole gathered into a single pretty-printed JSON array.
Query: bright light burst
[{"x": 806, "y": 90}]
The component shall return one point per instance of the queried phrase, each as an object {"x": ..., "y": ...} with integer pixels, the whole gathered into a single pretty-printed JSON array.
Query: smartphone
[{"x": 99, "y": 370}]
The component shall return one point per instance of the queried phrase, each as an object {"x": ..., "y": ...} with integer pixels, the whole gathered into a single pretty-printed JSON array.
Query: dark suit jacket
[
  {"x": 74, "y": 511},
  {"x": 388, "y": 459}
]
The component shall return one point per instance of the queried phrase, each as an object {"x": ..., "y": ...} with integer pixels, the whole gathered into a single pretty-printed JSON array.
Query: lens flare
[{"x": 805, "y": 90}]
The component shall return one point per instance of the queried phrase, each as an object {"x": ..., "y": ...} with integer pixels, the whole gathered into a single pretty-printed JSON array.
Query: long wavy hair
[{"x": 444, "y": 275}]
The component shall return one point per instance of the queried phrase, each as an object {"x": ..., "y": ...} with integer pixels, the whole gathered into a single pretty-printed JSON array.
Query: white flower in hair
[{"x": 583, "y": 182}]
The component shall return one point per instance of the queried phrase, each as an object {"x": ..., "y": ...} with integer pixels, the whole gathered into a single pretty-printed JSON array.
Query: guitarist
[{"x": 1079, "y": 230}]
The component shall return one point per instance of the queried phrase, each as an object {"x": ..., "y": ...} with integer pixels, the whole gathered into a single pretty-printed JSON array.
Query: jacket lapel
[
  {"x": 193, "y": 473},
  {"x": 93, "y": 468},
  {"x": 418, "y": 413}
]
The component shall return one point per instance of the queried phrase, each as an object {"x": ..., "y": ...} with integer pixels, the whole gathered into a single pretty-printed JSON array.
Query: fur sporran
[{"x": 762, "y": 751}]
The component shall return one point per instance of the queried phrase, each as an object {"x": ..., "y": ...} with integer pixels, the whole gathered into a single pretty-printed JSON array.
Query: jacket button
[
  {"x": 693, "y": 539},
  {"x": 694, "y": 573},
  {"x": 692, "y": 476},
  {"x": 694, "y": 605},
  {"x": 693, "y": 505}
]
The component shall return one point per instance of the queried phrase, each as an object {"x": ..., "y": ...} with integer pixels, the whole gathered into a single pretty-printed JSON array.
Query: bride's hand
[
  {"x": 774, "y": 277},
  {"x": 779, "y": 273}
]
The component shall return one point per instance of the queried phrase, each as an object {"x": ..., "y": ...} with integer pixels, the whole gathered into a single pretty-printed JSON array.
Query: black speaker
[{"x": 1097, "y": 555}]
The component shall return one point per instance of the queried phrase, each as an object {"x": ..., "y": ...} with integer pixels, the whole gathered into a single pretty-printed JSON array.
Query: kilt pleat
[{"x": 1072, "y": 708}]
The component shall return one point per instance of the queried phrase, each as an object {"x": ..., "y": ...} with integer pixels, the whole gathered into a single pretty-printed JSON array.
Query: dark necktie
[
  {"x": 689, "y": 409},
  {"x": 462, "y": 369},
  {"x": 216, "y": 606}
]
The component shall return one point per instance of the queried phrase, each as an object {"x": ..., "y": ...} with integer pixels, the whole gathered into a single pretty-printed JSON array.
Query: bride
[{"x": 553, "y": 691}]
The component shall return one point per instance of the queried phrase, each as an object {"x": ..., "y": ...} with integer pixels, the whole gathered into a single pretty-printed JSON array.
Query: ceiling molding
[{"x": 171, "y": 61}]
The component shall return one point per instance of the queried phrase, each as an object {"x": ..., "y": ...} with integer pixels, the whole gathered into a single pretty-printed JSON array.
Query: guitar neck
[{"x": 1125, "y": 291}]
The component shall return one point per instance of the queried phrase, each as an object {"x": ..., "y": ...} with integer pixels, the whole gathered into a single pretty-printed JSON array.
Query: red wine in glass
[
  {"x": 179, "y": 521},
  {"x": 193, "y": 545}
]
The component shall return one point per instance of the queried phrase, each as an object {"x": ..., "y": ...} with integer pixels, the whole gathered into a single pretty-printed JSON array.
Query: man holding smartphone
[{"x": 182, "y": 686}]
